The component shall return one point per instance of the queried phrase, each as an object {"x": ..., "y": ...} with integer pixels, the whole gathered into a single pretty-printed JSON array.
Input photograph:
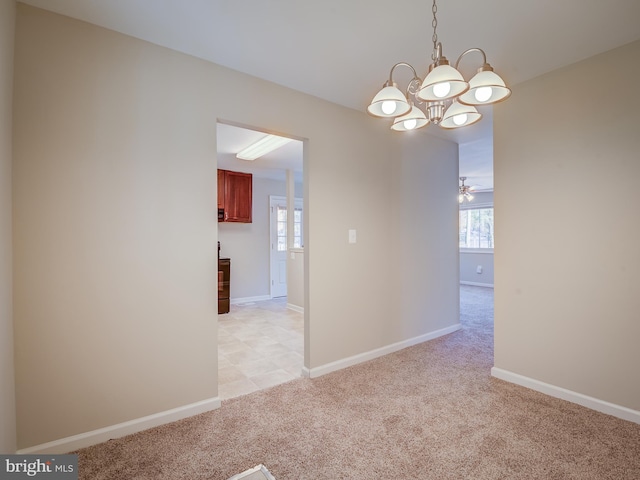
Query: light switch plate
[{"x": 352, "y": 236}]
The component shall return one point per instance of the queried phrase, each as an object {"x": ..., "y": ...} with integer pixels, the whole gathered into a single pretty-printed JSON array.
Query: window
[
  {"x": 281, "y": 222},
  {"x": 476, "y": 228}
]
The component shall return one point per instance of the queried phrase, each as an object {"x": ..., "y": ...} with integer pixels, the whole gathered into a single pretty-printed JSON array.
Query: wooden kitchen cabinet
[
  {"x": 221, "y": 189},
  {"x": 235, "y": 196}
]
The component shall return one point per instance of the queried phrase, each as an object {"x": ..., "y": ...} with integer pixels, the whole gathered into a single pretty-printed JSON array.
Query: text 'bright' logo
[
  {"x": 52, "y": 467},
  {"x": 30, "y": 468}
]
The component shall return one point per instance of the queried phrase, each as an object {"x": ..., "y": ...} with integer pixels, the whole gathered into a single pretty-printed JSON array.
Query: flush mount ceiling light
[
  {"x": 464, "y": 192},
  {"x": 446, "y": 98},
  {"x": 263, "y": 146}
]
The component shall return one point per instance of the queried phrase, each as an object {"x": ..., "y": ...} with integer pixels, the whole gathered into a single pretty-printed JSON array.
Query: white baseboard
[
  {"x": 295, "y": 308},
  {"x": 564, "y": 394},
  {"x": 476, "y": 284},
  {"x": 260, "y": 298},
  {"x": 378, "y": 352},
  {"x": 93, "y": 437}
]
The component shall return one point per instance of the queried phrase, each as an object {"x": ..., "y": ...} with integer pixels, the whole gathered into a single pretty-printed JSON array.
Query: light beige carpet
[{"x": 431, "y": 411}]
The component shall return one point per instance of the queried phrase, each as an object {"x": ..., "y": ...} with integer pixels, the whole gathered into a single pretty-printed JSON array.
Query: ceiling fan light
[
  {"x": 441, "y": 83},
  {"x": 458, "y": 115},
  {"x": 411, "y": 121},
  {"x": 389, "y": 102},
  {"x": 464, "y": 191},
  {"x": 479, "y": 86}
]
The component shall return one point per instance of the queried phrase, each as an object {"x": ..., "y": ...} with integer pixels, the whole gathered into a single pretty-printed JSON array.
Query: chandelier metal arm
[
  {"x": 413, "y": 88},
  {"x": 403, "y": 64},
  {"x": 475, "y": 49},
  {"x": 413, "y": 85}
]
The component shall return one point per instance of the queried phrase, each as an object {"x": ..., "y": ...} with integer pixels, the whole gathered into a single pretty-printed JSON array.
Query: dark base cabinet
[
  {"x": 223, "y": 305},
  {"x": 224, "y": 277}
]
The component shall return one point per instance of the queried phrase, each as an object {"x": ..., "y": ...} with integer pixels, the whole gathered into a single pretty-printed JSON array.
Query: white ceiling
[
  {"x": 342, "y": 50},
  {"x": 231, "y": 139}
]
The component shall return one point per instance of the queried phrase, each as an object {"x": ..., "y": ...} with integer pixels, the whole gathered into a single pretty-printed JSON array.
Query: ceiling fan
[{"x": 464, "y": 191}]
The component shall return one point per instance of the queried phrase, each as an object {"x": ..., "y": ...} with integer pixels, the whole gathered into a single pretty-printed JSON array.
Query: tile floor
[{"x": 260, "y": 344}]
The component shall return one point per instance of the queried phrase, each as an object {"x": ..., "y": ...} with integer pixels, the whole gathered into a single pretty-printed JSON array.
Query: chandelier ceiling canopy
[{"x": 444, "y": 97}]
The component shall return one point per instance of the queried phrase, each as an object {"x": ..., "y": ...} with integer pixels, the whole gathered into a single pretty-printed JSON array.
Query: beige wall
[
  {"x": 566, "y": 173},
  {"x": 7, "y": 390},
  {"x": 469, "y": 263},
  {"x": 114, "y": 183},
  {"x": 425, "y": 253}
]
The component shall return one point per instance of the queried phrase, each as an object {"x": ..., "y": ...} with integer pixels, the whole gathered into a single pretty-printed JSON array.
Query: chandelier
[
  {"x": 464, "y": 191},
  {"x": 449, "y": 100}
]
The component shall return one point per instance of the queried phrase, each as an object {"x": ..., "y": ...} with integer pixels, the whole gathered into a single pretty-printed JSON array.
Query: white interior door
[{"x": 278, "y": 242}]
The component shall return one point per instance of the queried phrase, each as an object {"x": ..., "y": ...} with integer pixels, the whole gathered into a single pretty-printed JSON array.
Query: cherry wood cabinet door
[
  {"x": 221, "y": 188},
  {"x": 238, "y": 188}
]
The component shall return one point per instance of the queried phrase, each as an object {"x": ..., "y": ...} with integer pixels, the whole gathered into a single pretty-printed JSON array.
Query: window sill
[{"x": 477, "y": 250}]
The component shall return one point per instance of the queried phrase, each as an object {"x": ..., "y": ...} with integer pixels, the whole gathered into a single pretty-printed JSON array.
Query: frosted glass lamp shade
[
  {"x": 411, "y": 121},
  {"x": 458, "y": 115},
  {"x": 485, "y": 88},
  {"x": 389, "y": 102},
  {"x": 441, "y": 83}
]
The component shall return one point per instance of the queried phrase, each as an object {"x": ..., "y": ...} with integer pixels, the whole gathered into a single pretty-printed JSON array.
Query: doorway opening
[
  {"x": 476, "y": 231},
  {"x": 261, "y": 339}
]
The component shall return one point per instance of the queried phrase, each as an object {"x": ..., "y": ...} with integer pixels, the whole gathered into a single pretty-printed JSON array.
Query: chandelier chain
[{"x": 434, "y": 24}]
